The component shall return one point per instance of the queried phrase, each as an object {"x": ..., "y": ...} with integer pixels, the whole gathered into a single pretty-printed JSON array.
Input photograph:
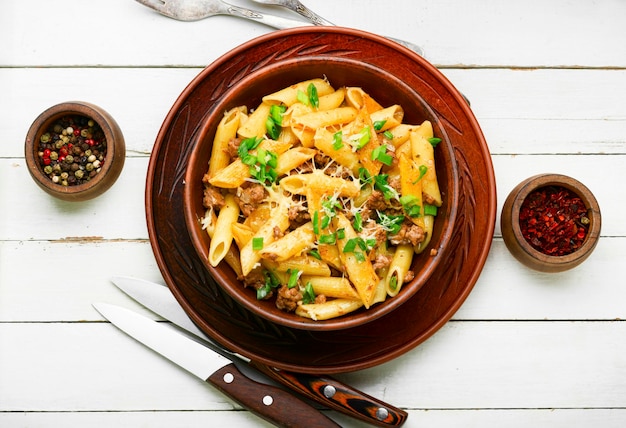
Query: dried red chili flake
[{"x": 554, "y": 220}]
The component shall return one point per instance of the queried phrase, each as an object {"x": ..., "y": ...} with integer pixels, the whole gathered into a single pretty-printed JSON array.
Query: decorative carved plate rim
[{"x": 321, "y": 351}]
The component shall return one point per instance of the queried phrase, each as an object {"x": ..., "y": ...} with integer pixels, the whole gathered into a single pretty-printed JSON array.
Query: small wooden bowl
[
  {"x": 522, "y": 249},
  {"x": 111, "y": 166}
]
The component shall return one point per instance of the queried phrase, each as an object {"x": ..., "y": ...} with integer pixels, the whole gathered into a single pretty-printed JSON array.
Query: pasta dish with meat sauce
[{"x": 320, "y": 198}]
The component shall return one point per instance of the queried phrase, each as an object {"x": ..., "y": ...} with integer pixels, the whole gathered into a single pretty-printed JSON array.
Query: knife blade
[
  {"x": 268, "y": 402},
  {"x": 323, "y": 389}
]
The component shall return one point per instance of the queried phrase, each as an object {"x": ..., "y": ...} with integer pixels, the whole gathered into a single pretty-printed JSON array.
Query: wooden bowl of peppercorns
[
  {"x": 551, "y": 222},
  {"x": 75, "y": 151}
]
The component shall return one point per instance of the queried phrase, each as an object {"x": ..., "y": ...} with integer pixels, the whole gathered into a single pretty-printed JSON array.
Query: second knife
[{"x": 322, "y": 389}]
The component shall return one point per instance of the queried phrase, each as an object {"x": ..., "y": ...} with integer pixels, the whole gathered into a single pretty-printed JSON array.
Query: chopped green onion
[
  {"x": 308, "y": 296},
  {"x": 364, "y": 137},
  {"x": 257, "y": 243},
  {"x": 311, "y": 91},
  {"x": 328, "y": 239},
  {"x": 294, "y": 274},
  {"x": 434, "y": 141},
  {"x": 350, "y": 245},
  {"x": 364, "y": 176},
  {"x": 393, "y": 282},
  {"x": 316, "y": 222},
  {"x": 357, "y": 223},
  {"x": 411, "y": 206},
  {"x": 272, "y": 128},
  {"x": 315, "y": 254},
  {"x": 380, "y": 154},
  {"x": 391, "y": 223},
  {"x": 277, "y": 112},
  {"x": 378, "y": 125},
  {"x": 381, "y": 183},
  {"x": 388, "y": 135},
  {"x": 423, "y": 169},
  {"x": 337, "y": 140},
  {"x": 430, "y": 209},
  {"x": 271, "y": 282},
  {"x": 325, "y": 222},
  {"x": 341, "y": 233},
  {"x": 360, "y": 257}
]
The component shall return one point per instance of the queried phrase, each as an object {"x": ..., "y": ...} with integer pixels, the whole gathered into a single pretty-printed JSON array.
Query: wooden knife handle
[
  {"x": 338, "y": 396},
  {"x": 273, "y": 404}
]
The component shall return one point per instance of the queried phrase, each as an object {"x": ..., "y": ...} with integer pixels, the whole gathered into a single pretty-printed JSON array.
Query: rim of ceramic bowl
[{"x": 205, "y": 136}]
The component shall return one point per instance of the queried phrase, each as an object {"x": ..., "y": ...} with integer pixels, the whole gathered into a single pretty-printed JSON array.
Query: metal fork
[
  {"x": 298, "y": 7},
  {"x": 194, "y": 10}
]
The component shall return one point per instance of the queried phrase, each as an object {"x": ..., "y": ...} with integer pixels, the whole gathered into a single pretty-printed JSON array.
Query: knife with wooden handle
[
  {"x": 268, "y": 402},
  {"x": 325, "y": 390}
]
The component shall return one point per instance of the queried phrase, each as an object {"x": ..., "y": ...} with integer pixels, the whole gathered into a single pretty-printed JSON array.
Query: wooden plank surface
[{"x": 546, "y": 81}]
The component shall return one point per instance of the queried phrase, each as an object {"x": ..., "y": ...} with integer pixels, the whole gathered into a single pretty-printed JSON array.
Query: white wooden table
[{"x": 547, "y": 82}]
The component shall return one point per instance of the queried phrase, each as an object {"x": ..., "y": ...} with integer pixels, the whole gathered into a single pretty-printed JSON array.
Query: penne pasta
[
  {"x": 331, "y": 309},
  {"x": 318, "y": 175},
  {"x": 400, "y": 265},
  {"x": 223, "y": 235},
  {"x": 289, "y": 96},
  {"x": 226, "y": 131}
]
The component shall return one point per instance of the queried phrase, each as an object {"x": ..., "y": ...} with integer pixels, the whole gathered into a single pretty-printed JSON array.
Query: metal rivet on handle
[
  {"x": 382, "y": 414},
  {"x": 228, "y": 377},
  {"x": 329, "y": 391},
  {"x": 268, "y": 400}
]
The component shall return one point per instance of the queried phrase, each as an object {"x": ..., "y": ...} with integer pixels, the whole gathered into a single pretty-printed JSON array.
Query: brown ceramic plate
[{"x": 379, "y": 341}]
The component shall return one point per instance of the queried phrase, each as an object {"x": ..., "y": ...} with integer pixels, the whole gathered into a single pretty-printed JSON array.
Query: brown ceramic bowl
[
  {"x": 530, "y": 255},
  {"x": 384, "y": 86},
  {"x": 107, "y": 170}
]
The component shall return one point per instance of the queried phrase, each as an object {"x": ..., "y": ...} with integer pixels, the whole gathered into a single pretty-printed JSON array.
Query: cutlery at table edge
[
  {"x": 323, "y": 389},
  {"x": 268, "y": 402}
]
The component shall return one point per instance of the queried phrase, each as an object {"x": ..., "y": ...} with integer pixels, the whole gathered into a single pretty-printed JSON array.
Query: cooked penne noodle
[
  {"x": 324, "y": 141},
  {"x": 235, "y": 174},
  {"x": 400, "y": 265},
  {"x": 423, "y": 154},
  {"x": 360, "y": 272},
  {"x": 317, "y": 180},
  {"x": 222, "y": 235},
  {"x": 401, "y": 134},
  {"x": 411, "y": 185},
  {"x": 226, "y": 131},
  {"x": 332, "y": 100},
  {"x": 331, "y": 286},
  {"x": 293, "y": 158},
  {"x": 323, "y": 118},
  {"x": 289, "y": 95},
  {"x": 429, "y": 222},
  {"x": 390, "y": 117},
  {"x": 242, "y": 234},
  {"x": 330, "y": 309},
  {"x": 290, "y": 245},
  {"x": 255, "y": 125},
  {"x": 265, "y": 235},
  {"x": 306, "y": 264},
  {"x": 358, "y": 98}
]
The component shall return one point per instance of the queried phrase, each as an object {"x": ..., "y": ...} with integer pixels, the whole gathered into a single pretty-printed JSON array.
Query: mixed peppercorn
[
  {"x": 554, "y": 220},
  {"x": 73, "y": 150}
]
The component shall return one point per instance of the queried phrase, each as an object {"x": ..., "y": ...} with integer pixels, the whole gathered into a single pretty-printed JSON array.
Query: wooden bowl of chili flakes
[{"x": 551, "y": 222}]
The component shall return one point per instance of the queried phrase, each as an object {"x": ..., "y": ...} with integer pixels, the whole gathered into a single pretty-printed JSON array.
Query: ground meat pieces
[
  {"x": 249, "y": 196},
  {"x": 298, "y": 214},
  {"x": 212, "y": 198},
  {"x": 233, "y": 147},
  {"x": 381, "y": 261},
  {"x": 256, "y": 280},
  {"x": 376, "y": 201},
  {"x": 408, "y": 277},
  {"x": 287, "y": 298},
  {"x": 409, "y": 234},
  {"x": 371, "y": 229}
]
